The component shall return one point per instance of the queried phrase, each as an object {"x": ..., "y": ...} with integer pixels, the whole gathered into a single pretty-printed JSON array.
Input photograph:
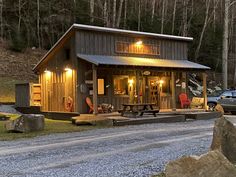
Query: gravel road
[{"x": 113, "y": 152}]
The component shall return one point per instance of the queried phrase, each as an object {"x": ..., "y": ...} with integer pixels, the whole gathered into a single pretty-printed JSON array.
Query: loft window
[{"x": 120, "y": 85}]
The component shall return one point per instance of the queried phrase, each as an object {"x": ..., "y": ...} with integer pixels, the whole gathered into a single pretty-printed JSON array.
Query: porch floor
[{"x": 165, "y": 116}]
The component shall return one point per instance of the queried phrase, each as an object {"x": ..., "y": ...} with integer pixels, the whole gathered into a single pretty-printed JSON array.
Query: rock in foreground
[
  {"x": 224, "y": 138},
  {"x": 212, "y": 164},
  {"x": 26, "y": 123}
]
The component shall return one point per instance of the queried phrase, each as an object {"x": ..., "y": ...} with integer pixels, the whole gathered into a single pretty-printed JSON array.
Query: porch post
[
  {"x": 204, "y": 83},
  {"x": 173, "y": 91},
  {"x": 137, "y": 86},
  {"x": 95, "y": 90}
]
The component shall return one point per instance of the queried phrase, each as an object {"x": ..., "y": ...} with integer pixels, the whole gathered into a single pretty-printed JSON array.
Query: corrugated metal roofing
[
  {"x": 115, "y": 30},
  {"x": 138, "y": 61}
]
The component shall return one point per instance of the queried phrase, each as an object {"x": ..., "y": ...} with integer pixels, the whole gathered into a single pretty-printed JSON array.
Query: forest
[{"x": 40, "y": 23}]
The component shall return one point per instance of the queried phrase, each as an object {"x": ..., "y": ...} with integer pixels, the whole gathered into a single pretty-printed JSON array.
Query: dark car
[
  {"x": 229, "y": 102},
  {"x": 213, "y": 98}
]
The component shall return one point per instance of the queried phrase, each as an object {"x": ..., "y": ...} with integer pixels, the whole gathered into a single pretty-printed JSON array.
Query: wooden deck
[{"x": 165, "y": 116}]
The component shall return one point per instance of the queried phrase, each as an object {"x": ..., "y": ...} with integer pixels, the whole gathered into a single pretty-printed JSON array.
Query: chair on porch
[
  {"x": 184, "y": 101},
  {"x": 91, "y": 108}
]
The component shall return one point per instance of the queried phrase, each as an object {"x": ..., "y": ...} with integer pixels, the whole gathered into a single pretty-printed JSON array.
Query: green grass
[{"x": 51, "y": 126}]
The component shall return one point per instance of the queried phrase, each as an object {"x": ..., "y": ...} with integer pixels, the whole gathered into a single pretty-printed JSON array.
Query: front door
[{"x": 154, "y": 91}]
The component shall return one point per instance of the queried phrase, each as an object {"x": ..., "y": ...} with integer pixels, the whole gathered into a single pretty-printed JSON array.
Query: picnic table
[{"x": 140, "y": 108}]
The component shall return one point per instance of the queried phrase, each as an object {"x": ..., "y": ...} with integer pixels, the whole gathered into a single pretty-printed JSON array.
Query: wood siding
[
  {"x": 93, "y": 43},
  {"x": 57, "y": 84}
]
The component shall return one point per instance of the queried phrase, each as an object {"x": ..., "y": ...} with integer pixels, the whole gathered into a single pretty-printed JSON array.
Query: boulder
[
  {"x": 224, "y": 138},
  {"x": 212, "y": 164},
  {"x": 26, "y": 123},
  {"x": 220, "y": 109}
]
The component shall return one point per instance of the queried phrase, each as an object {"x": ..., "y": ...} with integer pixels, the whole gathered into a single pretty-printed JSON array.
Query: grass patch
[{"x": 51, "y": 126}]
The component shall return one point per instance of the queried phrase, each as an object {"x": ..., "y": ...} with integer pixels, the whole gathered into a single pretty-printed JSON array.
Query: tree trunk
[
  {"x": 125, "y": 14},
  {"x": 119, "y": 14},
  {"x": 185, "y": 18},
  {"x": 153, "y": 10},
  {"x": 38, "y": 23},
  {"x": 162, "y": 16},
  {"x": 225, "y": 45},
  {"x": 114, "y": 14},
  {"x": 1, "y": 19},
  {"x": 173, "y": 18},
  {"x": 91, "y": 11},
  {"x": 19, "y": 16},
  {"x": 203, "y": 29},
  {"x": 139, "y": 15},
  {"x": 105, "y": 14}
]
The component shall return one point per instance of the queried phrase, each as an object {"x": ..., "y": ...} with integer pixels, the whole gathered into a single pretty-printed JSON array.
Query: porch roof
[{"x": 138, "y": 61}]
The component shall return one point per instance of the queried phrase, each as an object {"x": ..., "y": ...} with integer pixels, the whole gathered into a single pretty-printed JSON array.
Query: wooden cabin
[{"x": 114, "y": 66}]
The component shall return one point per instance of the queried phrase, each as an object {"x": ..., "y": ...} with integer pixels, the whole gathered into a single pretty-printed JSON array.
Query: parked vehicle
[
  {"x": 229, "y": 103},
  {"x": 214, "y": 98}
]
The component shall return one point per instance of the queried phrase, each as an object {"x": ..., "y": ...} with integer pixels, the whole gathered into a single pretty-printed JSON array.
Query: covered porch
[{"x": 119, "y": 79}]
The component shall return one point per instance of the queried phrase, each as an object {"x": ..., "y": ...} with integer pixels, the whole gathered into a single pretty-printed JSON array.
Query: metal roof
[
  {"x": 115, "y": 30},
  {"x": 138, "y": 61}
]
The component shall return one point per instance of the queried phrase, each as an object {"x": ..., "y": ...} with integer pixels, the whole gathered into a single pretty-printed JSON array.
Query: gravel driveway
[{"x": 115, "y": 152}]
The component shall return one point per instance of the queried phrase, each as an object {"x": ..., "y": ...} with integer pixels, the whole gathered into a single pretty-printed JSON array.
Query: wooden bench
[{"x": 153, "y": 111}]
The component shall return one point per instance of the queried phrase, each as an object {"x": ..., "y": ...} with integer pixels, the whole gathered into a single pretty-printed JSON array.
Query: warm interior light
[
  {"x": 139, "y": 42},
  {"x": 131, "y": 81},
  {"x": 47, "y": 71},
  {"x": 47, "y": 74},
  {"x": 161, "y": 82},
  {"x": 68, "y": 69}
]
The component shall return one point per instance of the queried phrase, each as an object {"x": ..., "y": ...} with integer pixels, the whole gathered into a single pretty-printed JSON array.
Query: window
[
  {"x": 101, "y": 87},
  {"x": 120, "y": 85}
]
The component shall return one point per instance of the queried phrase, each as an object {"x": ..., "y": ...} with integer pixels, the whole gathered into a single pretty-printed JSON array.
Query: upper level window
[
  {"x": 137, "y": 48},
  {"x": 120, "y": 85}
]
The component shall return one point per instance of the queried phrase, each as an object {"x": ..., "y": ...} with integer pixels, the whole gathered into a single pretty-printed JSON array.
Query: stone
[
  {"x": 211, "y": 164},
  {"x": 26, "y": 123},
  {"x": 220, "y": 109},
  {"x": 224, "y": 138}
]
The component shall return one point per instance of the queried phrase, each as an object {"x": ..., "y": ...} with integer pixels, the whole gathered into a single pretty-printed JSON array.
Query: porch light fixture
[
  {"x": 47, "y": 71},
  {"x": 130, "y": 81},
  {"x": 139, "y": 42},
  {"x": 67, "y": 69}
]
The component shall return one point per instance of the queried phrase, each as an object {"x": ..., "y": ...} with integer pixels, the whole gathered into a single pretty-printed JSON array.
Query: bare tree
[
  {"x": 19, "y": 16},
  {"x": 38, "y": 23},
  {"x": 114, "y": 14},
  {"x": 162, "y": 16},
  {"x": 206, "y": 22},
  {"x": 119, "y": 14},
  {"x": 153, "y": 10},
  {"x": 173, "y": 18},
  {"x": 125, "y": 14},
  {"x": 225, "y": 45},
  {"x": 91, "y": 11},
  {"x": 139, "y": 15},
  {"x": 1, "y": 19},
  {"x": 185, "y": 18}
]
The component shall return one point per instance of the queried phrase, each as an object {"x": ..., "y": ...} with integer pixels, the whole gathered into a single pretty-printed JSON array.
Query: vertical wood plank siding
[
  {"x": 93, "y": 43},
  {"x": 61, "y": 84}
]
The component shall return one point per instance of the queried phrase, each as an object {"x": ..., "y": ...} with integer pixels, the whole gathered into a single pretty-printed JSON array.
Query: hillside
[{"x": 16, "y": 68}]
